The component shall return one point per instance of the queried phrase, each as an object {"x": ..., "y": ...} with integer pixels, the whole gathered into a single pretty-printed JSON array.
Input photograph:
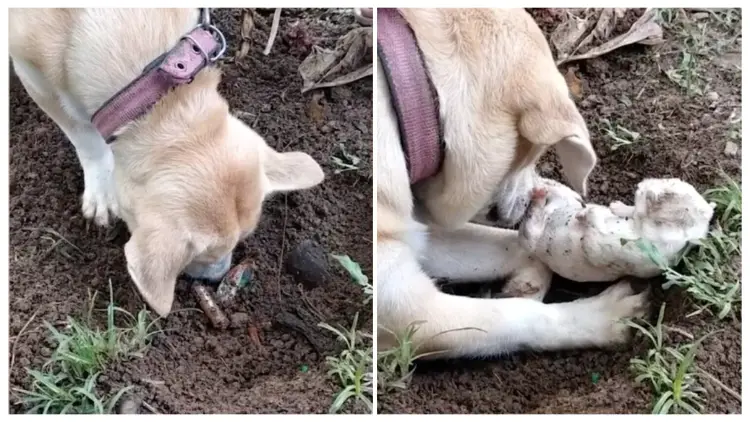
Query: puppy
[
  {"x": 589, "y": 242},
  {"x": 502, "y": 104},
  {"x": 188, "y": 178}
]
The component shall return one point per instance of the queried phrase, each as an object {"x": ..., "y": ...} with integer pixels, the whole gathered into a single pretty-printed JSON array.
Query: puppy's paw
[{"x": 99, "y": 200}]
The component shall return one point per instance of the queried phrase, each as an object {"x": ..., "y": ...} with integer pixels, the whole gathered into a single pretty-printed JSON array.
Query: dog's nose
[
  {"x": 210, "y": 272},
  {"x": 493, "y": 214}
]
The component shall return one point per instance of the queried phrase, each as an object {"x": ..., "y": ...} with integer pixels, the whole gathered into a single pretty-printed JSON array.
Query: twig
[
  {"x": 150, "y": 408},
  {"x": 274, "y": 31},
  {"x": 281, "y": 253},
  {"x": 721, "y": 385},
  {"x": 15, "y": 341}
]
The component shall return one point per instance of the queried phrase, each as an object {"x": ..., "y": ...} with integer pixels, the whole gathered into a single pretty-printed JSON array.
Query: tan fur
[
  {"x": 502, "y": 104},
  {"x": 189, "y": 179}
]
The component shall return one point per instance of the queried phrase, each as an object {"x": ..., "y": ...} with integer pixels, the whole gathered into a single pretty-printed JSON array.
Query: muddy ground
[
  {"x": 681, "y": 136},
  {"x": 194, "y": 368}
]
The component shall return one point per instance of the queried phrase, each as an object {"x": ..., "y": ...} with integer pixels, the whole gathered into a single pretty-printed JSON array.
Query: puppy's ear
[
  {"x": 291, "y": 171},
  {"x": 155, "y": 256},
  {"x": 578, "y": 159}
]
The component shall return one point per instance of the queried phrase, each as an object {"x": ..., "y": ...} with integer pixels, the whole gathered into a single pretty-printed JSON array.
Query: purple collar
[
  {"x": 195, "y": 50},
  {"x": 414, "y": 97}
]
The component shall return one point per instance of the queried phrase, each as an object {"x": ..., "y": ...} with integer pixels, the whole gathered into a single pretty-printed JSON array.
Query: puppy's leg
[
  {"x": 476, "y": 252},
  {"x": 621, "y": 210},
  {"x": 458, "y": 326},
  {"x": 93, "y": 153}
]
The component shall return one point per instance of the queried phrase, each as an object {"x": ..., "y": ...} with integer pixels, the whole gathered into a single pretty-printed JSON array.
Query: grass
[
  {"x": 66, "y": 383},
  {"x": 699, "y": 41},
  {"x": 671, "y": 370},
  {"x": 346, "y": 162},
  {"x": 353, "y": 367},
  {"x": 620, "y": 136}
]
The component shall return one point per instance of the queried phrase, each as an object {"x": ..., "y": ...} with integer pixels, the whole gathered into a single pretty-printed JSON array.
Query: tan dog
[
  {"x": 503, "y": 103},
  {"x": 188, "y": 178}
]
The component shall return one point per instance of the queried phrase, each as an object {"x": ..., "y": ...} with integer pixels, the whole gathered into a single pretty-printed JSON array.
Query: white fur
[{"x": 589, "y": 242}]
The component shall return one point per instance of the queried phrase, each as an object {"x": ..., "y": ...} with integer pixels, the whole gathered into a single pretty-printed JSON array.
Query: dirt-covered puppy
[{"x": 589, "y": 242}]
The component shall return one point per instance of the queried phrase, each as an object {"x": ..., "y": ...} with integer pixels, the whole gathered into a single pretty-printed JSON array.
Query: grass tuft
[
  {"x": 67, "y": 381},
  {"x": 352, "y": 367},
  {"x": 671, "y": 371}
]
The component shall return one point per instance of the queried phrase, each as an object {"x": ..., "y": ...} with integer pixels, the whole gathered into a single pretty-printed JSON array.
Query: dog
[
  {"x": 589, "y": 242},
  {"x": 502, "y": 104},
  {"x": 187, "y": 177}
]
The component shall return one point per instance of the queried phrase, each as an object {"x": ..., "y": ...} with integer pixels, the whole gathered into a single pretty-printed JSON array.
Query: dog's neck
[
  {"x": 414, "y": 98},
  {"x": 188, "y": 115}
]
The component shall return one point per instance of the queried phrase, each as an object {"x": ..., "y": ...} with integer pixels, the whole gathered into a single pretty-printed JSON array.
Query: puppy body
[
  {"x": 502, "y": 104},
  {"x": 589, "y": 242},
  {"x": 188, "y": 178}
]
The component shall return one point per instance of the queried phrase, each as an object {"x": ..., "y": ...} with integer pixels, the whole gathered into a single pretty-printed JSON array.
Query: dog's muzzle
[{"x": 210, "y": 272}]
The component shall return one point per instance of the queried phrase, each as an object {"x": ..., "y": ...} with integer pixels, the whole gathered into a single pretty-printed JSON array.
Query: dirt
[
  {"x": 192, "y": 367},
  {"x": 681, "y": 136}
]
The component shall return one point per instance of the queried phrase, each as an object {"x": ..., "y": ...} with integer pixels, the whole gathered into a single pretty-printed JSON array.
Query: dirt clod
[
  {"x": 239, "y": 319},
  {"x": 731, "y": 149},
  {"x": 308, "y": 264}
]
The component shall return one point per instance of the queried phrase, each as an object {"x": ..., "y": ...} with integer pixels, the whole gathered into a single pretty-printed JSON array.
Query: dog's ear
[
  {"x": 155, "y": 257},
  {"x": 578, "y": 159},
  {"x": 289, "y": 171}
]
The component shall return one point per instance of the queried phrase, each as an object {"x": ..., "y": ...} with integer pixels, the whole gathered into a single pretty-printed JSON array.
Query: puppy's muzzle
[{"x": 211, "y": 272}]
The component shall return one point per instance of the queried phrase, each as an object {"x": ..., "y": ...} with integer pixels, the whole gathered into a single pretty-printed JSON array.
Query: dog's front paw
[
  {"x": 99, "y": 200},
  {"x": 613, "y": 306},
  {"x": 600, "y": 319}
]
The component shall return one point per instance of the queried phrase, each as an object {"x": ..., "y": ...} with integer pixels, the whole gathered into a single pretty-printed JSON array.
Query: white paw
[
  {"x": 99, "y": 200},
  {"x": 604, "y": 314}
]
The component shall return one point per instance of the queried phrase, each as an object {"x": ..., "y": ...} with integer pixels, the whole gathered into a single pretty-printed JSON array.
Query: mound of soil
[
  {"x": 192, "y": 368},
  {"x": 681, "y": 136}
]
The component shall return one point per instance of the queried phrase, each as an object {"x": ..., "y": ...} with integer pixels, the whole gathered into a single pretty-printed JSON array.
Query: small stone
[
  {"x": 129, "y": 406},
  {"x": 308, "y": 264},
  {"x": 265, "y": 108},
  {"x": 326, "y": 129},
  {"x": 731, "y": 149},
  {"x": 239, "y": 319},
  {"x": 712, "y": 96}
]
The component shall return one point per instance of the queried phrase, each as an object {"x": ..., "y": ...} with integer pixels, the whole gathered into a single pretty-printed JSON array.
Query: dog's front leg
[
  {"x": 476, "y": 252},
  {"x": 458, "y": 326},
  {"x": 93, "y": 153}
]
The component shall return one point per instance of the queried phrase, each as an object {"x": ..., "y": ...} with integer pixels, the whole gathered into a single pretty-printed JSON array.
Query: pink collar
[
  {"x": 195, "y": 50},
  {"x": 414, "y": 97}
]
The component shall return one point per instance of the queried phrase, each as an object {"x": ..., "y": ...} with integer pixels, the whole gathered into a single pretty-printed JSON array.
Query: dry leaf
[
  {"x": 315, "y": 109},
  {"x": 574, "y": 84},
  {"x": 248, "y": 24},
  {"x": 349, "y": 61},
  {"x": 571, "y": 45}
]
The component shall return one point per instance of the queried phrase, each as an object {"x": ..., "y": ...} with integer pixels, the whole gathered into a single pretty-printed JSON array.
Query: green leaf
[{"x": 353, "y": 268}]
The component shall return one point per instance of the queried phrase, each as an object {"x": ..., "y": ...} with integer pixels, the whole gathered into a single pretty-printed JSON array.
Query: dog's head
[
  {"x": 503, "y": 105},
  {"x": 191, "y": 186}
]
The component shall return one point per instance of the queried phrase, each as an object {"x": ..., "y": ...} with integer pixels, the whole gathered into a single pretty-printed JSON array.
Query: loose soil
[
  {"x": 681, "y": 136},
  {"x": 193, "y": 368}
]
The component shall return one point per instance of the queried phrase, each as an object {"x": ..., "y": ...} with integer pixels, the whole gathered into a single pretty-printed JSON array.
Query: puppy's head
[
  {"x": 673, "y": 202},
  {"x": 188, "y": 204}
]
